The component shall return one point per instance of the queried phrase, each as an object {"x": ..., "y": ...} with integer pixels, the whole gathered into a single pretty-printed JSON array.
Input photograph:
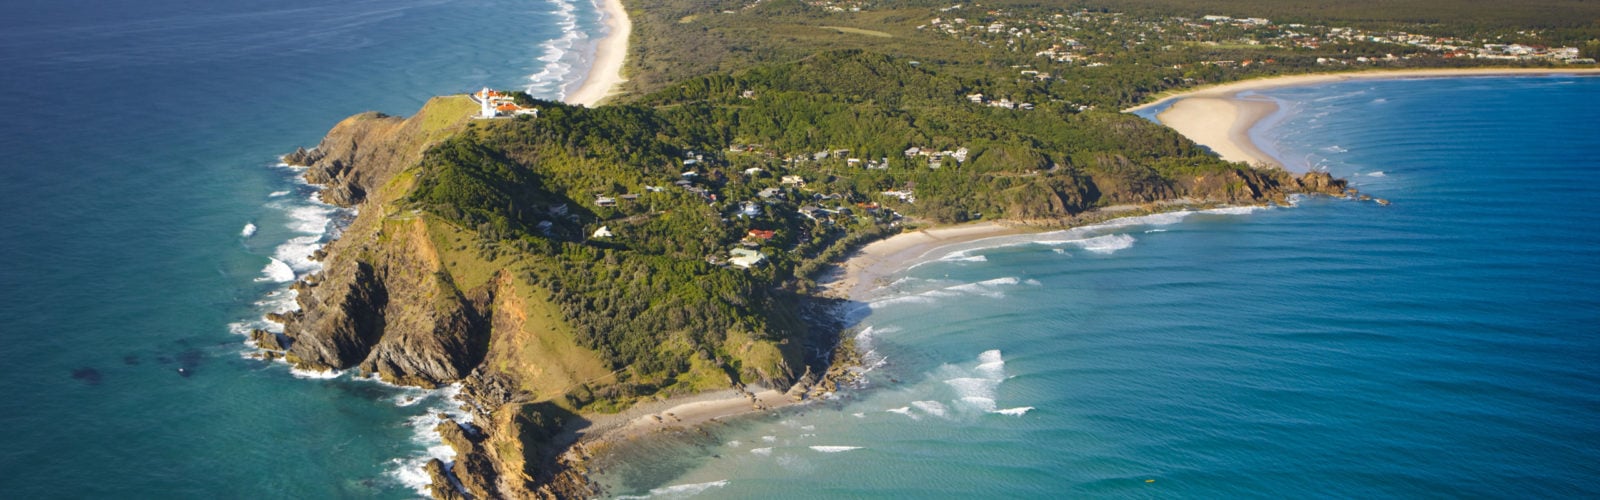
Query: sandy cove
[
  {"x": 605, "y": 74},
  {"x": 1218, "y": 118},
  {"x": 680, "y": 413},
  {"x": 859, "y": 275}
]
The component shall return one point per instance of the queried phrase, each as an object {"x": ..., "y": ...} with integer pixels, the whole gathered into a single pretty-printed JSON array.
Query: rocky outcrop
[
  {"x": 364, "y": 151},
  {"x": 473, "y": 471},
  {"x": 1320, "y": 183},
  {"x": 398, "y": 317},
  {"x": 339, "y": 320}
]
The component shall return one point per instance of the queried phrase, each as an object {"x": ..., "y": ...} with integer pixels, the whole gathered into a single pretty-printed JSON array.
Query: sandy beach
[
  {"x": 606, "y": 72},
  {"x": 858, "y": 276},
  {"x": 1217, "y": 117}
]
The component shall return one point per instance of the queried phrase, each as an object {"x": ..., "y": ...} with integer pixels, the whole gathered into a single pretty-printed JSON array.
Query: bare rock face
[
  {"x": 339, "y": 321},
  {"x": 1321, "y": 183},
  {"x": 440, "y": 485},
  {"x": 473, "y": 469},
  {"x": 367, "y": 140}
]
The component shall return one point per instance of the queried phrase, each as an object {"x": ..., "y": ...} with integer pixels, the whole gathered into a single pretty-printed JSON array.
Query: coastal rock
[
  {"x": 440, "y": 485},
  {"x": 1321, "y": 183},
  {"x": 339, "y": 322},
  {"x": 302, "y": 157},
  {"x": 364, "y": 151},
  {"x": 266, "y": 340},
  {"x": 473, "y": 470}
]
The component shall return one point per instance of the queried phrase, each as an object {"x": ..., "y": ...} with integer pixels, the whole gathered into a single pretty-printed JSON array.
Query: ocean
[
  {"x": 1443, "y": 346},
  {"x": 145, "y": 223}
]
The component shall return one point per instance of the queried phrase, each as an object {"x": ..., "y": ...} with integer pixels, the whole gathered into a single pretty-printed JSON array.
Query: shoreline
[
  {"x": 605, "y": 73},
  {"x": 682, "y": 412},
  {"x": 856, "y": 278},
  {"x": 1218, "y": 118}
]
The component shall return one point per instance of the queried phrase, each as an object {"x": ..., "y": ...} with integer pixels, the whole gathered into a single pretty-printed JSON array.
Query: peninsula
[{"x": 588, "y": 272}]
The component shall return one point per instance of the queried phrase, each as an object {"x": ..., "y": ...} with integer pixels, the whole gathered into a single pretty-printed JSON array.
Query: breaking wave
[
  {"x": 678, "y": 491},
  {"x": 559, "y": 57}
]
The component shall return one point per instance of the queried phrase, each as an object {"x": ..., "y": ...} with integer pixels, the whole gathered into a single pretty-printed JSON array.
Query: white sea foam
[
  {"x": 992, "y": 288},
  {"x": 276, "y": 194},
  {"x": 934, "y": 408},
  {"x": 1148, "y": 231},
  {"x": 904, "y": 410},
  {"x": 769, "y": 439},
  {"x": 678, "y": 491},
  {"x": 276, "y": 271},
  {"x": 734, "y": 444},
  {"x": 1015, "y": 412},
  {"x": 976, "y": 388},
  {"x": 1378, "y": 173},
  {"x": 311, "y": 219},
  {"x": 411, "y": 471},
  {"x": 834, "y": 449},
  {"x": 1247, "y": 210},
  {"x": 296, "y": 253},
  {"x": 1108, "y": 244},
  {"x": 314, "y": 374},
  {"x": 761, "y": 451},
  {"x": 557, "y": 57},
  {"x": 249, "y": 230}
]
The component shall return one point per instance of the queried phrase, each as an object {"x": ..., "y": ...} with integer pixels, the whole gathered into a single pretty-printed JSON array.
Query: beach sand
[
  {"x": 681, "y": 413},
  {"x": 606, "y": 72},
  {"x": 858, "y": 276},
  {"x": 1218, "y": 118}
]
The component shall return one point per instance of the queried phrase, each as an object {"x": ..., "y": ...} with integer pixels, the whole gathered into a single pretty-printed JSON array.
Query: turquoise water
[
  {"x": 139, "y": 139},
  {"x": 1444, "y": 346}
]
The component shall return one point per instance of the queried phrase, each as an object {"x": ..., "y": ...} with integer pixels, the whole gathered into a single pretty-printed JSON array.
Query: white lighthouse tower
[{"x": 485, "y": 105}]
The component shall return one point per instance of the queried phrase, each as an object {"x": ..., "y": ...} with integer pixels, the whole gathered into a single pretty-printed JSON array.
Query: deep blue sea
[
  {"x": 1447, "y": 345},
  {"x": 137, "y": 140}
]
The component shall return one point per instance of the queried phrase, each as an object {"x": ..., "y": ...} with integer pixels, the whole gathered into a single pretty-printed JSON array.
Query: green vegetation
[{"x": 794, "y": 131}]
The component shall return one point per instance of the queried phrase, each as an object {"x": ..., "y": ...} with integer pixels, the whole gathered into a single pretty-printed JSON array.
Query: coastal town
[{"x": 1096, "y": 39}]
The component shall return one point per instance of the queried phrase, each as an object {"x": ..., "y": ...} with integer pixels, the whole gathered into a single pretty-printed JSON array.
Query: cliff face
[
  {"x": 382, "y": 303},
  {"x": 364, "y": 151}
]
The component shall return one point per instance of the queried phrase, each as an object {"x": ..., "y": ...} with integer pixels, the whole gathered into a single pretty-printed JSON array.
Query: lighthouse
[{"x": 485, "y": 106}]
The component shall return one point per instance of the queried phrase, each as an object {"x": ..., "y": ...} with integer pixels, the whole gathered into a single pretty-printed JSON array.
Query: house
[
  {"x": 794, "y": 180},
  {"x": 605, "y": 201},
  {"x": 745, "y": 258},
  {"x": 603, "y": 232},
  {"x": 770, "y": 193},
  {"x": 762, "y": 234},
  {"x": 749, "y": 209}
]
